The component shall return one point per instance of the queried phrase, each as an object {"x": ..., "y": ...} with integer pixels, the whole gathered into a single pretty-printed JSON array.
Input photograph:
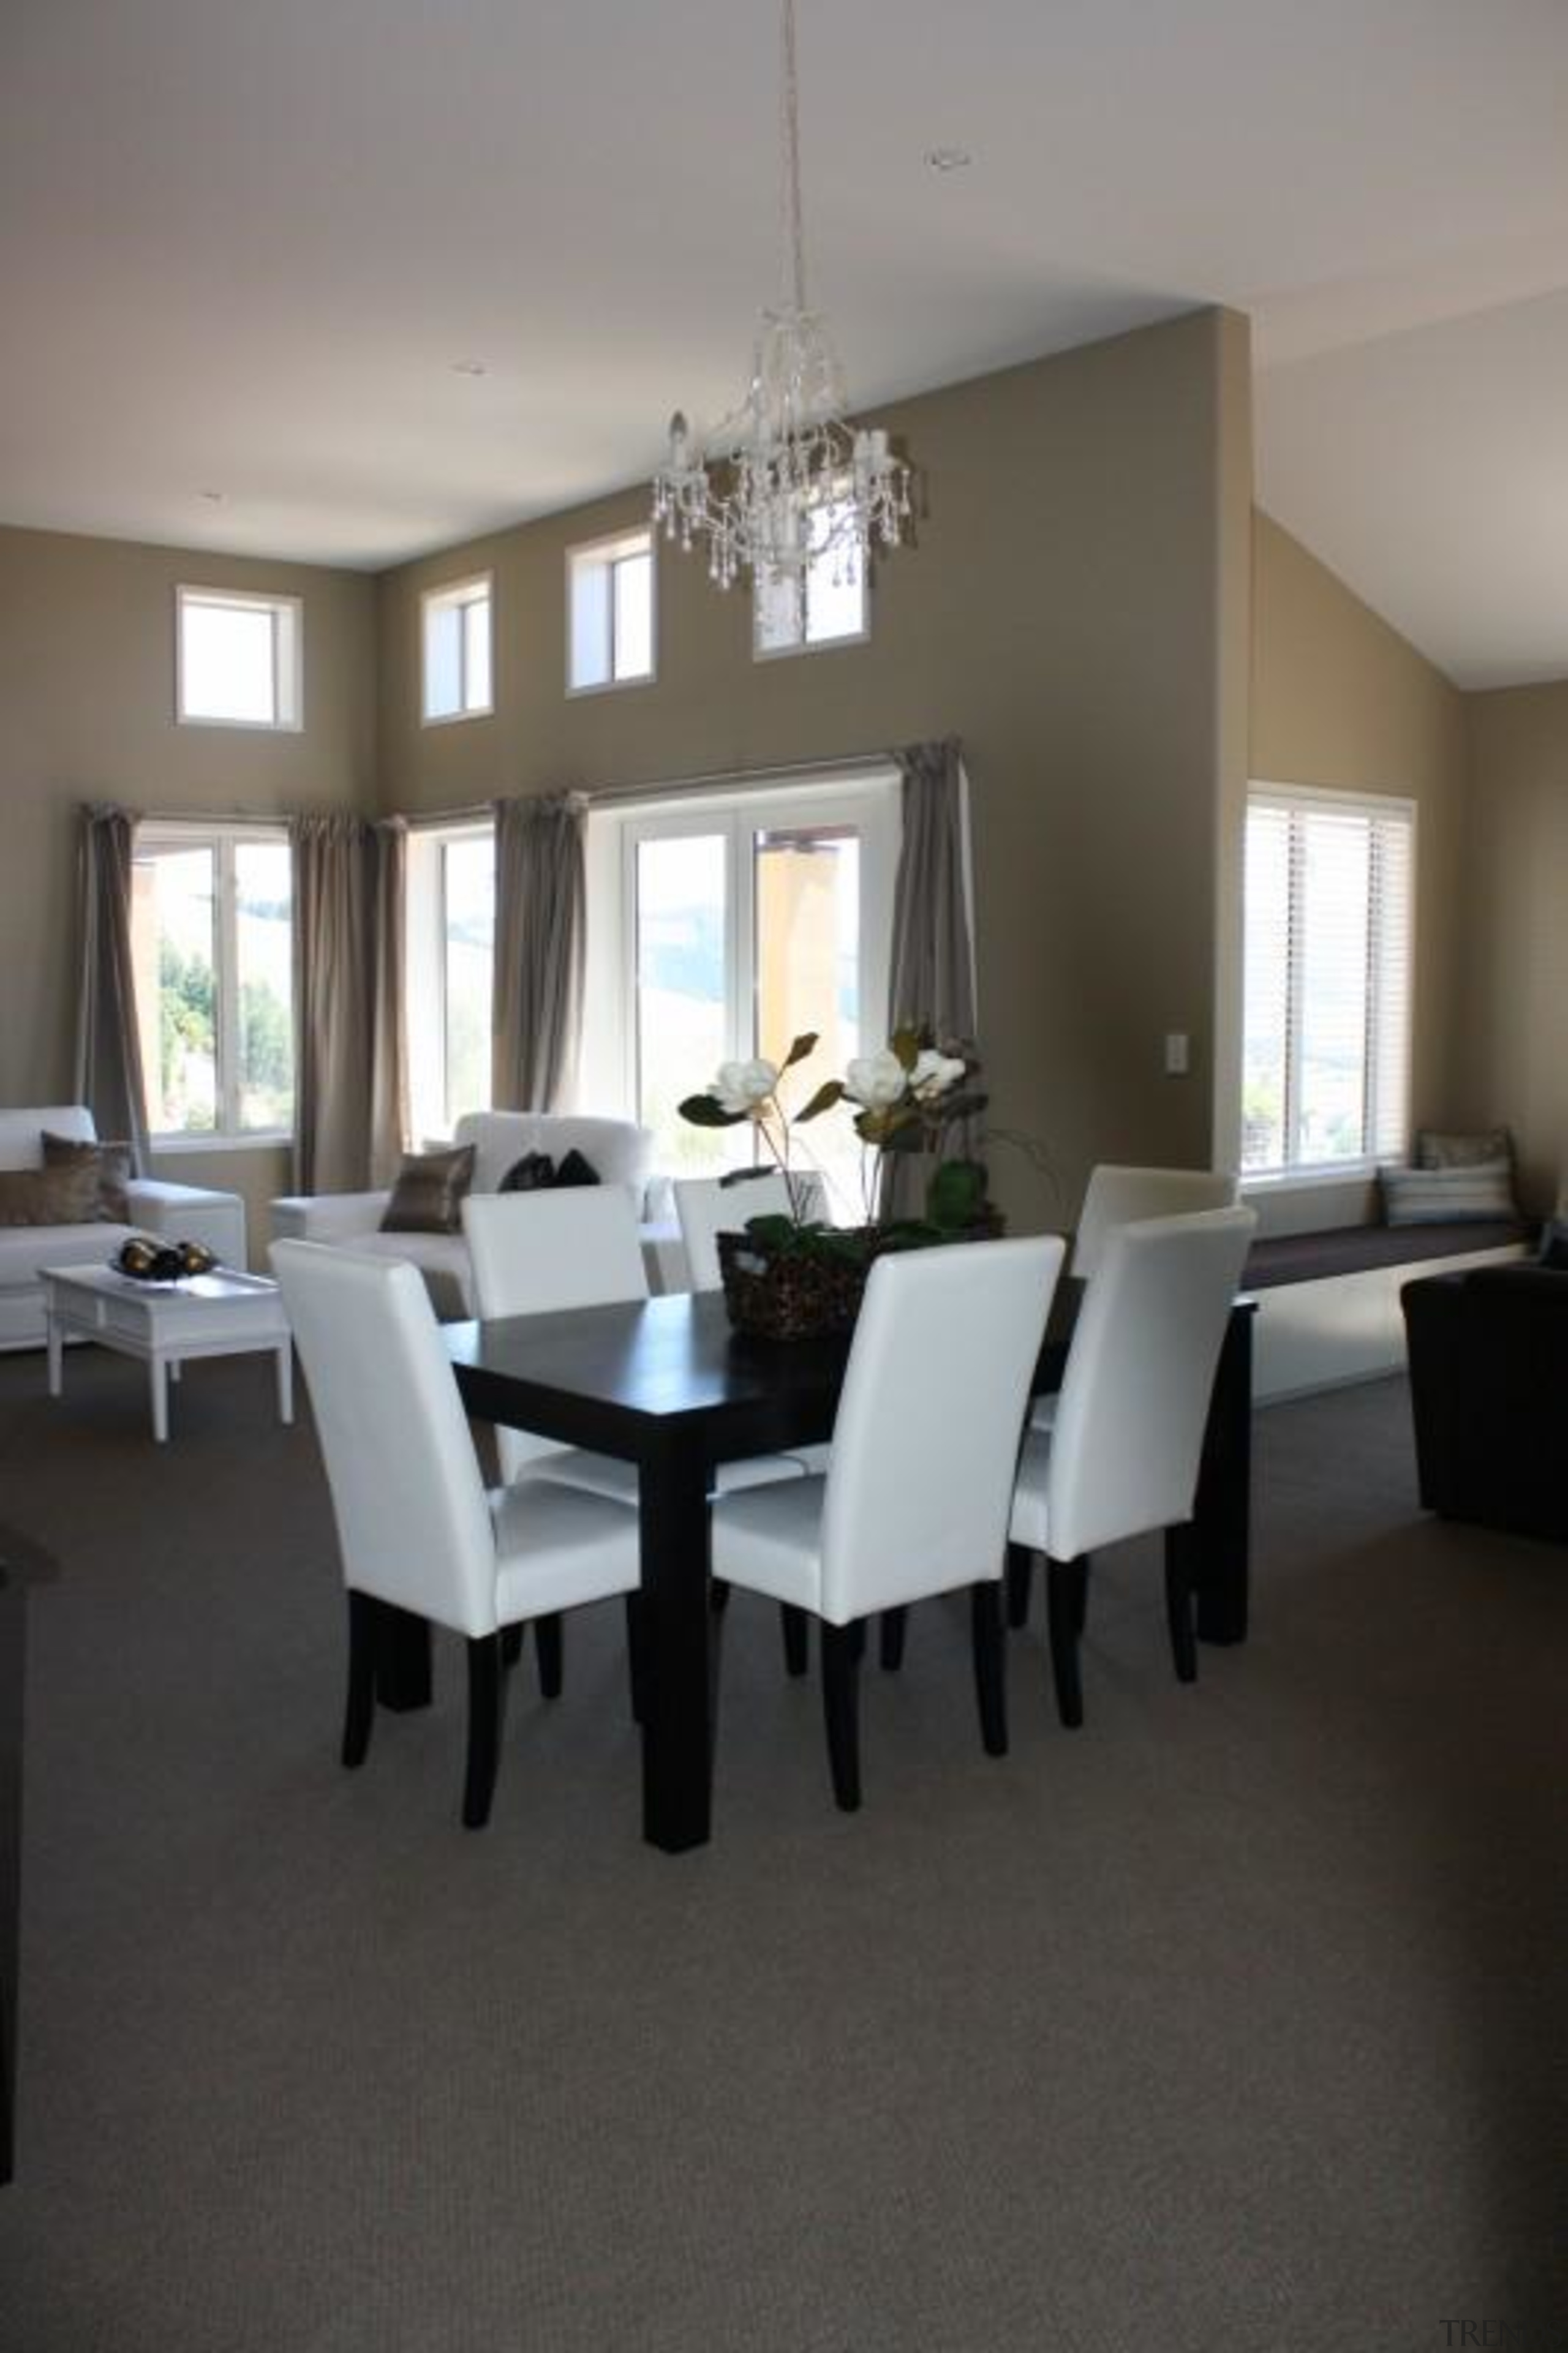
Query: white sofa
[
  {"x": 618, "y": 1151},
  {"x": 173, "y": 1212}
]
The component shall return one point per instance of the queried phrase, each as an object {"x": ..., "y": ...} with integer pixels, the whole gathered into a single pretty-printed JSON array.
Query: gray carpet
[{"x": 1230, "y": 2021}]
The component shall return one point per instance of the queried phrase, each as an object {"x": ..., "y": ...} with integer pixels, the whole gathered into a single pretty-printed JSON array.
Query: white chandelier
[{"x": 783, "y": 479}]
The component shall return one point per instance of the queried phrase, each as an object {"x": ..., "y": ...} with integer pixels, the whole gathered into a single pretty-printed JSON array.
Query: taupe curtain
[
  {"x": 539, "y": 938},
  {"x": 931, "y": 981},
  {"x": 347, "y": 977},
  {"x": 109, "y": 1075},
  {"x": 390, "y": 1056}
]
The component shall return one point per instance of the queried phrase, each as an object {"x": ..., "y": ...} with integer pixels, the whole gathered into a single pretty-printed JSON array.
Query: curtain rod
[{"x": 711, "y": 781}]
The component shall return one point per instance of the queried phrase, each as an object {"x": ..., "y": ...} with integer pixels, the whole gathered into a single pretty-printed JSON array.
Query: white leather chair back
[
  {"x": 706, "y": 1207},
  {"x": 534, "y": 1252},
  {"x": 1129, "y": 1431},
  {"x": 413, "y": 1523},
  {"x": 1118, "y": 1197},
  {"x": 926, "y": 1444}
]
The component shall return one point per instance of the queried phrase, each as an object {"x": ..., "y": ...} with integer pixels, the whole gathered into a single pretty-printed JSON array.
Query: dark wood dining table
[{"x": 666, "y": 1384}]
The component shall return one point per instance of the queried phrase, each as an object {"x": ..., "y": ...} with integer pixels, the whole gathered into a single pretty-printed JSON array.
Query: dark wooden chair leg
[
  {"x": 1019, "y": 1573},
  {"x": 637, "y": 1654},
  {"x": 484, "y": 1689},
  {"x": 990, "y": 1667},
  {"x": 1061, "y": 1604},
  {"x": 1081, "y": 1593},
  {"x": 718, "y": 1595},
  {"x": 359, "y": 1714},
  {"x": 841, "y": 1705},
  {"x": 511, "y": 1644},
  {"x": 1178, "y": 1613},
  {"x": 402, "y": 1659},
  {"x": 548, "y": 1651},
  {"x": 797, "y": 1638},
  {"x": 895, "y": 1624}
]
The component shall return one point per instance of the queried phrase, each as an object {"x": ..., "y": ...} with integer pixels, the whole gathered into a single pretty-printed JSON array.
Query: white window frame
[
  {"x": 604, "y": 554},
  {"x": 1294, "y": 1173},
  {"x": 222, "y": 836},
  {"x": 869, "y": 798},
  {"x": 288, "y": 657},
  {"x": 425, "y": 964},
  {"x": 479, "y": 588},
  {"x": 805, "y": 643}
]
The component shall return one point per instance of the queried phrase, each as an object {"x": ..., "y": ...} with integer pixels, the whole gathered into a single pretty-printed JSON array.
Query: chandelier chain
[{"x": 789, "y": 156}]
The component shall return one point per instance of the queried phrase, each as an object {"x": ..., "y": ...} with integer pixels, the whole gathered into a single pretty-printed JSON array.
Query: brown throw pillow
[
  {"x": 112, "y": 1163},
  {"x": 428, "y": 1196},
  {"x": 49, "y": 1196}
]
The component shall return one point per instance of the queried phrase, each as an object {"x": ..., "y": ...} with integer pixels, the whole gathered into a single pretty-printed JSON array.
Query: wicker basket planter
[
  {"x": 790, "y": 1297},
  {"x": 801, "y": 1296}
]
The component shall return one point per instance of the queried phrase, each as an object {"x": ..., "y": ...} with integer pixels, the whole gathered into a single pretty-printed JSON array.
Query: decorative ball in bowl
[{"x": 152, "y": 1262}]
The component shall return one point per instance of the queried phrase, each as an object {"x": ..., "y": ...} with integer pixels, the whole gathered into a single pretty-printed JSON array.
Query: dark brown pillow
[
  {"x": 114, "y": 1167},
  {"x": 428, "y": 1196},
  {"x": 534, "y": 1173},
  {"x": 49, "y": 1196}
]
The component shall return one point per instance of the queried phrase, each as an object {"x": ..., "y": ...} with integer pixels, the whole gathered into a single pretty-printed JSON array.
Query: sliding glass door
[{"x": 745, "y": 921}]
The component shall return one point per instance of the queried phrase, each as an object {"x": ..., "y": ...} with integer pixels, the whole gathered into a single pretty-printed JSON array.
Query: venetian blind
[{"x": 1327, "y": 982}]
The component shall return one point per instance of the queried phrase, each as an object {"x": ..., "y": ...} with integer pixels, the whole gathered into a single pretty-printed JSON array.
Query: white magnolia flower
[
  {"x": 875, "y": 1079},
  {"x": 932, "y": 1074},
  {"x": 744, "y": 1087}
]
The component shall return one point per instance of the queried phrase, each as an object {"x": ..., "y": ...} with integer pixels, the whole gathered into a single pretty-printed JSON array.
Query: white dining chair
[
  {"x": 918, "y": 1493},
  {"x": 579, "y": 1247},
  {"x": 417, "y": 1531},
  {"x": 1122, "y": 1456},
  {"x": 707, "y": 1207},
  {"x": 1117, "y": 1197},
  {"x": 1121, "y": 1196}
]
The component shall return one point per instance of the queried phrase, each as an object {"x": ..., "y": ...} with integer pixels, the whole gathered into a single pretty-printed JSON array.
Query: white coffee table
[{"x": 224, "y": 1313}]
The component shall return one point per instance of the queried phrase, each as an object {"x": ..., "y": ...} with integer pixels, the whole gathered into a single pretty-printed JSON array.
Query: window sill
[
  {"x": 174, "y": 1148},
  {"x": 613, "y": 685},
  {"x": 851, "y": 638},
  {"x": 456, "y": 718},
  {"x": 243, "y": 726},
  {"x": 1316, "y": 1181}
]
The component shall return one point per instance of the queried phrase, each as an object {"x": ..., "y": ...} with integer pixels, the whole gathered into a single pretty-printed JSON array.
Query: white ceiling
[{"x": 242, "y": 247}]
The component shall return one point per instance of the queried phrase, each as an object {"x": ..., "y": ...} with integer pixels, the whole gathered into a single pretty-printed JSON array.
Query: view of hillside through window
[
  {"x": 467, "y": 894},
  {"x": 215, "y": 990},
  {"x": 792, "y": 894}
]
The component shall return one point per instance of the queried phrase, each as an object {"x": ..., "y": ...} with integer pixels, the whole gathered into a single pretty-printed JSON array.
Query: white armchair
[{"x": 175, "y": 1212}]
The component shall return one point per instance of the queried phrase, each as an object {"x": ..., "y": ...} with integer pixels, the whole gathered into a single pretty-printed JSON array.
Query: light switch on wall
[{"x": 1177, "y": 1060}]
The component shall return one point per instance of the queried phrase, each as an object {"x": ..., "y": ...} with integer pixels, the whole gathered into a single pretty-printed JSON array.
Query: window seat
[{"x": 1328, "y": 1303}]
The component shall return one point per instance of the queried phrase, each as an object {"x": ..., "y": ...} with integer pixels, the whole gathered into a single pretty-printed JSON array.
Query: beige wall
[
  {"x": 1511, "y": 1038},
  {"x": 86, "y": 713},
  {"x": 1339, "y": 698},
  {"x": 1062, "y": 613}
]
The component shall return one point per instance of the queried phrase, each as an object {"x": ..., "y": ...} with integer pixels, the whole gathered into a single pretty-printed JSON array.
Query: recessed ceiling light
[
  {"x": 949, "y": 159},
  {"x": 469, "y": 367}
]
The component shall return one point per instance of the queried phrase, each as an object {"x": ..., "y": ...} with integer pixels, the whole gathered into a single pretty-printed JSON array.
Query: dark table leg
[
  {"x": 1217, "y": 1543},
  {"x": 13, "y": 1637},
  {"x": 402, "y": 1659},
  {"x": 677, "y": 1765}
]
